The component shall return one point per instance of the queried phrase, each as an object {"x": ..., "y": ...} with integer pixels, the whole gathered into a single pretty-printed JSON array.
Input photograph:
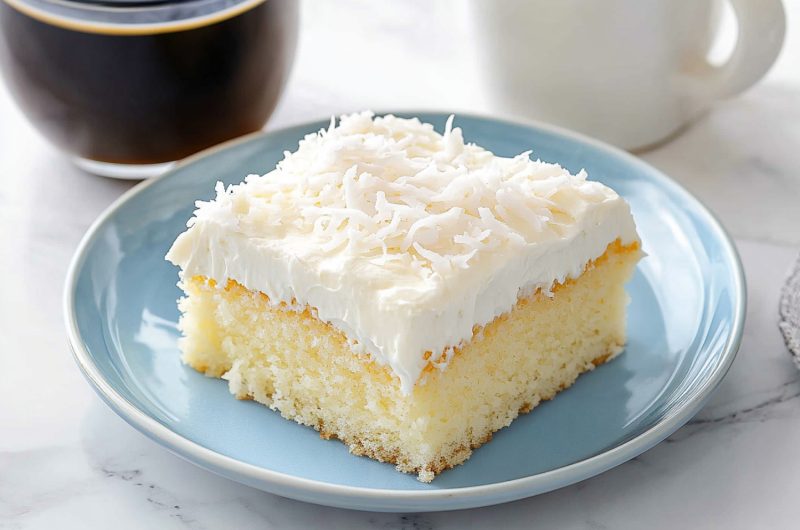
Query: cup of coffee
[
  {"x": 129, "y": 86},
  {"x": 631, "y": 72}
]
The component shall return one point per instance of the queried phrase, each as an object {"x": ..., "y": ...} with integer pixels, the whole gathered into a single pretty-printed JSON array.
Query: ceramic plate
[{"x": 685, "y": 324}]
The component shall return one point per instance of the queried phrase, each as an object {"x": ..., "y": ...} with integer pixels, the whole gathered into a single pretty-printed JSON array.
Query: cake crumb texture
[{"x": 288, "y": 359}]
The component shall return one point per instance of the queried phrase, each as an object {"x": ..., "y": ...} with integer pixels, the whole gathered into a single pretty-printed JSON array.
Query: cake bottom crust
[{"x": 304, "y": 368}]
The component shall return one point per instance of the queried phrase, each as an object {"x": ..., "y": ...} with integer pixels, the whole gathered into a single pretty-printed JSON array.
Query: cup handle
[{"x": 762, "y": 25}]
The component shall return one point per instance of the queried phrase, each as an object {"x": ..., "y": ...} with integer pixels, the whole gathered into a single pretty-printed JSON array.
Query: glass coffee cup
[{"x": 129, "y": 86}]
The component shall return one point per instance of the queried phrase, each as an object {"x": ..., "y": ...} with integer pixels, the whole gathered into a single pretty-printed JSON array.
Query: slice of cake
[{"x": 402, "y": 291}]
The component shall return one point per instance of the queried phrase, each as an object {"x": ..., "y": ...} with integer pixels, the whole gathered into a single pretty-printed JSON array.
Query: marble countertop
[{"x": 66, "y": 461}]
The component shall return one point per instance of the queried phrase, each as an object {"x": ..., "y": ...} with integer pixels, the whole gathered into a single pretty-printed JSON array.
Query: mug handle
[{"x": 762, "y": 26}]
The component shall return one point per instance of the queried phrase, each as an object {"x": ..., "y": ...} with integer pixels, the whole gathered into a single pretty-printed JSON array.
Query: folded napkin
[{"x": 790, "y": 313}]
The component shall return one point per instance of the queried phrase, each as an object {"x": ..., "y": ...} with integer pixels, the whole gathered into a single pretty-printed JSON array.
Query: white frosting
[{"x": 402, "y": 238}]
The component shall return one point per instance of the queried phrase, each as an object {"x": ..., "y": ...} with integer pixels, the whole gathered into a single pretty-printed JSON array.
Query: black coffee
[{"x": 139, "y": 96}]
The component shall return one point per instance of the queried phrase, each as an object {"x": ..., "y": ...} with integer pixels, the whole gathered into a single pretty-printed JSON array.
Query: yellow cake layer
[{"x": 304, "y": 368}]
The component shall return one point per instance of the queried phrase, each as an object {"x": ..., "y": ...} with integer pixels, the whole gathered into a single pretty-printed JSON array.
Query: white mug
[{"x": 631, "y": 72}]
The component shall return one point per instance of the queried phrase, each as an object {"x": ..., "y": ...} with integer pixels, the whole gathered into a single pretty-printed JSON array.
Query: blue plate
[{"x": 685, "y": 325}]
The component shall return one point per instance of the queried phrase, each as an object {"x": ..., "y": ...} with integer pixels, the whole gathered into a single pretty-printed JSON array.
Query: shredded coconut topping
[
  {"x": 402, "y": 238},
  {"x": 389, "y": 189}
]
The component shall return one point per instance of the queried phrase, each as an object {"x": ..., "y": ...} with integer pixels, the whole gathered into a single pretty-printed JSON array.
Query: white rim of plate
[{"x": 495, "y": 493}]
